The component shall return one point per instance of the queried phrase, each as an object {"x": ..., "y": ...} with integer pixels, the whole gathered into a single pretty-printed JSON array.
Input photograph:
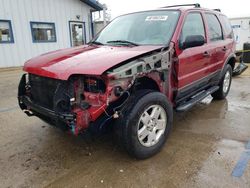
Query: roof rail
[
  {"x": 196, "y": 5},
  {"x": 217, "y": 9}
]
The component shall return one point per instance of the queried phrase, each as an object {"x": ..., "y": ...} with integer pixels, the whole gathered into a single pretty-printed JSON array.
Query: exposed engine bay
[{"x": 82, "y": 99}]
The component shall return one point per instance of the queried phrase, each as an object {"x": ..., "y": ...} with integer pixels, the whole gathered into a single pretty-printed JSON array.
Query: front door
[
  {"x": 193, "y": 64},
  {"x": 77, "y": 33}
]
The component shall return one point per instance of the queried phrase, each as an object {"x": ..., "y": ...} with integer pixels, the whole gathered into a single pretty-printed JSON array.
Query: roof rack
[
  {"x": 196, "y": 5},
  {"x": 217, "y": 9}
]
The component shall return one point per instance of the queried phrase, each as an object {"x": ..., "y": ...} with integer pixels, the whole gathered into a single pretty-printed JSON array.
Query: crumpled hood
[{"x": 91, "y": 60}]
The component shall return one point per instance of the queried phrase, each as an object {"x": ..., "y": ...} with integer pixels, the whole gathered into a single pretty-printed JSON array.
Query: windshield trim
[{"x": 167, "y": 42}]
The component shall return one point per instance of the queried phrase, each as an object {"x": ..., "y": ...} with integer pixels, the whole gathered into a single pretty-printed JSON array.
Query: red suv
[{"x": 136, "y": 71}]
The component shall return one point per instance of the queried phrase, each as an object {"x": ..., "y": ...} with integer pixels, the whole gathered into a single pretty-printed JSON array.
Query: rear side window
[
  {"x": 227, "y": 26},
  {"x": 214, "y": 27},
  {"x": 193, "y": 25}
]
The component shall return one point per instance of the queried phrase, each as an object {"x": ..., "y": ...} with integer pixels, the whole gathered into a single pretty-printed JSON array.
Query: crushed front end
[
  {"x": 83, "y": 100},
  {"x": 72, "y": 103}
]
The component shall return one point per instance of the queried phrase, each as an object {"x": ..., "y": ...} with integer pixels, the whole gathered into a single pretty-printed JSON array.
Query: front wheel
[
  {"x": 145, "y": 124},
  {"x": 224, "y": 84}
]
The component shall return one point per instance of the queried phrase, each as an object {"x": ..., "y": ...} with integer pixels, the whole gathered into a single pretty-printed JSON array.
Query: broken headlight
[{"x": 94, "y": 85}]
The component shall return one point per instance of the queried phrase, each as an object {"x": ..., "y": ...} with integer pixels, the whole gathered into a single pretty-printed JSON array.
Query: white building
[
  {"x": 241, "y": 28},
  {"x": 32, "y": 27},
  {"x": 99, "y": 25}
]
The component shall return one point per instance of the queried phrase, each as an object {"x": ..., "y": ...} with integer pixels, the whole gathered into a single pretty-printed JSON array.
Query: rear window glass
[
  {"x": 214, "y": 27},
  {"x": 227, "y": 26}
]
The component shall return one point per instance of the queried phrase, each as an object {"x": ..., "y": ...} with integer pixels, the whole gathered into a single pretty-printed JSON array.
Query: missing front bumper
[{"x": 32, "y": 108}]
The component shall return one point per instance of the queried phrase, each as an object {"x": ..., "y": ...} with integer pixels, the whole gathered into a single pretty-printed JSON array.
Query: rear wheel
[
  {"x": 224, "y": 84},
  {"x": 145, "y": 124}
]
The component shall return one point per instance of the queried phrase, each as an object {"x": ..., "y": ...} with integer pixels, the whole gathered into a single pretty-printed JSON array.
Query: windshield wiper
[
  {"x": 96, "y": 42},
  {"x": 123, "y": 42}
]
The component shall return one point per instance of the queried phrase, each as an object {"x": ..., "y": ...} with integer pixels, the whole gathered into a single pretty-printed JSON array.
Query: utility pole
[{"x": 104, "y": 14}]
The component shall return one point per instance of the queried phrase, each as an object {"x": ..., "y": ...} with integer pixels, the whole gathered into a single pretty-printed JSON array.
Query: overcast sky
[{"x": 231, "y": 8}]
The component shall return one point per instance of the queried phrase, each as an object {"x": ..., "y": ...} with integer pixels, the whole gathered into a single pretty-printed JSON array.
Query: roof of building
[
  {"x": 94, "y": 4},
  {"x": 240, "y": 18}
]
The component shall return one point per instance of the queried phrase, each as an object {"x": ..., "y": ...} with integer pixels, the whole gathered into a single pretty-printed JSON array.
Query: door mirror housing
[{"x": 193, "y": 41}]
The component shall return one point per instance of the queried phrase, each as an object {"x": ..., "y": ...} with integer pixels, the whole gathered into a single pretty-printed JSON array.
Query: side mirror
[{"x": 193, "y": 41}]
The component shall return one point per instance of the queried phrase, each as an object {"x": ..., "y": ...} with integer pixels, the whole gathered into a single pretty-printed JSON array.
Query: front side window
[
  {"x": 6, "y": 35},
  {"x": 43, "y": 32},
  {"x": 142, "y": 28},
  {"x": 193, "y": 25},
  {"x": 214, "y": 27}
]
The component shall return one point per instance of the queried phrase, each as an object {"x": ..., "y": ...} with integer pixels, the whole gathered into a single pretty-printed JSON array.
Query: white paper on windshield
[{"x": 156, "y": 18}]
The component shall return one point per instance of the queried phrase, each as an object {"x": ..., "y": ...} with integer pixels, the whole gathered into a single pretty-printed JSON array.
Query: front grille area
[
  {"x": 42, "y": 90},
  {"x": 55, "y": 94}
]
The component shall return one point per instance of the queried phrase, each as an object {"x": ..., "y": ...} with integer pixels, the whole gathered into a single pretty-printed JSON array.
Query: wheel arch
[
  {"x": 231, "y": 60},
  {"x": 145, "y": 82}
]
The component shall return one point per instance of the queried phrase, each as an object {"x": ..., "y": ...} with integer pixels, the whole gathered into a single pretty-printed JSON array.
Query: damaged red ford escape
[{"x": 136, "y": 71}]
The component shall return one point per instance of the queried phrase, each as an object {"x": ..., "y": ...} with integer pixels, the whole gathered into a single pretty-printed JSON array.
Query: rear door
[
  {"x": 193, "y": 63},
  {"x": 216, "y": 44},
  {"x": 228, "y": 34}
]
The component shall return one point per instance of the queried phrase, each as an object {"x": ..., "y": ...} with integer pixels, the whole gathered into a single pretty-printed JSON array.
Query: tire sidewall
[
  {"x": 141, "y": 105},
  {"x": 227, "y": 69}
]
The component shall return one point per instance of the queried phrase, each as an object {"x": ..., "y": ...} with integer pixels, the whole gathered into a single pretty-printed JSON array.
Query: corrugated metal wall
[{"x": 21, "y": 12}]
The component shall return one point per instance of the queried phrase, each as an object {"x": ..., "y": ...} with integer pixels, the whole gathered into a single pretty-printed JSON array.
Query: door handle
[
  {"x": 206, "y": 54},
  {"x": 224, "y": 48}
]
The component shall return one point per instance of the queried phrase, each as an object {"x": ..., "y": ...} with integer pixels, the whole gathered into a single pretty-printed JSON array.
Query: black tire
[
  {"x": 126, "y": 127},
  {"x": 220, "y": 93}
]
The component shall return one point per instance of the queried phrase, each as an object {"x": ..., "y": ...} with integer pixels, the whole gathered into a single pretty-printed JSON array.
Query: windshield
[{"x": 143, "y": 28}]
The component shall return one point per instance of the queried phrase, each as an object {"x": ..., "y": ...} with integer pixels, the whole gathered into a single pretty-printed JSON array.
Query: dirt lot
[{"x": 202, "y": 151}]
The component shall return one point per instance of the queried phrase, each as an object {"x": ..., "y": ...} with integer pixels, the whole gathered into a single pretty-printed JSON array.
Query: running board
[{"x": 195, "y": 99}]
